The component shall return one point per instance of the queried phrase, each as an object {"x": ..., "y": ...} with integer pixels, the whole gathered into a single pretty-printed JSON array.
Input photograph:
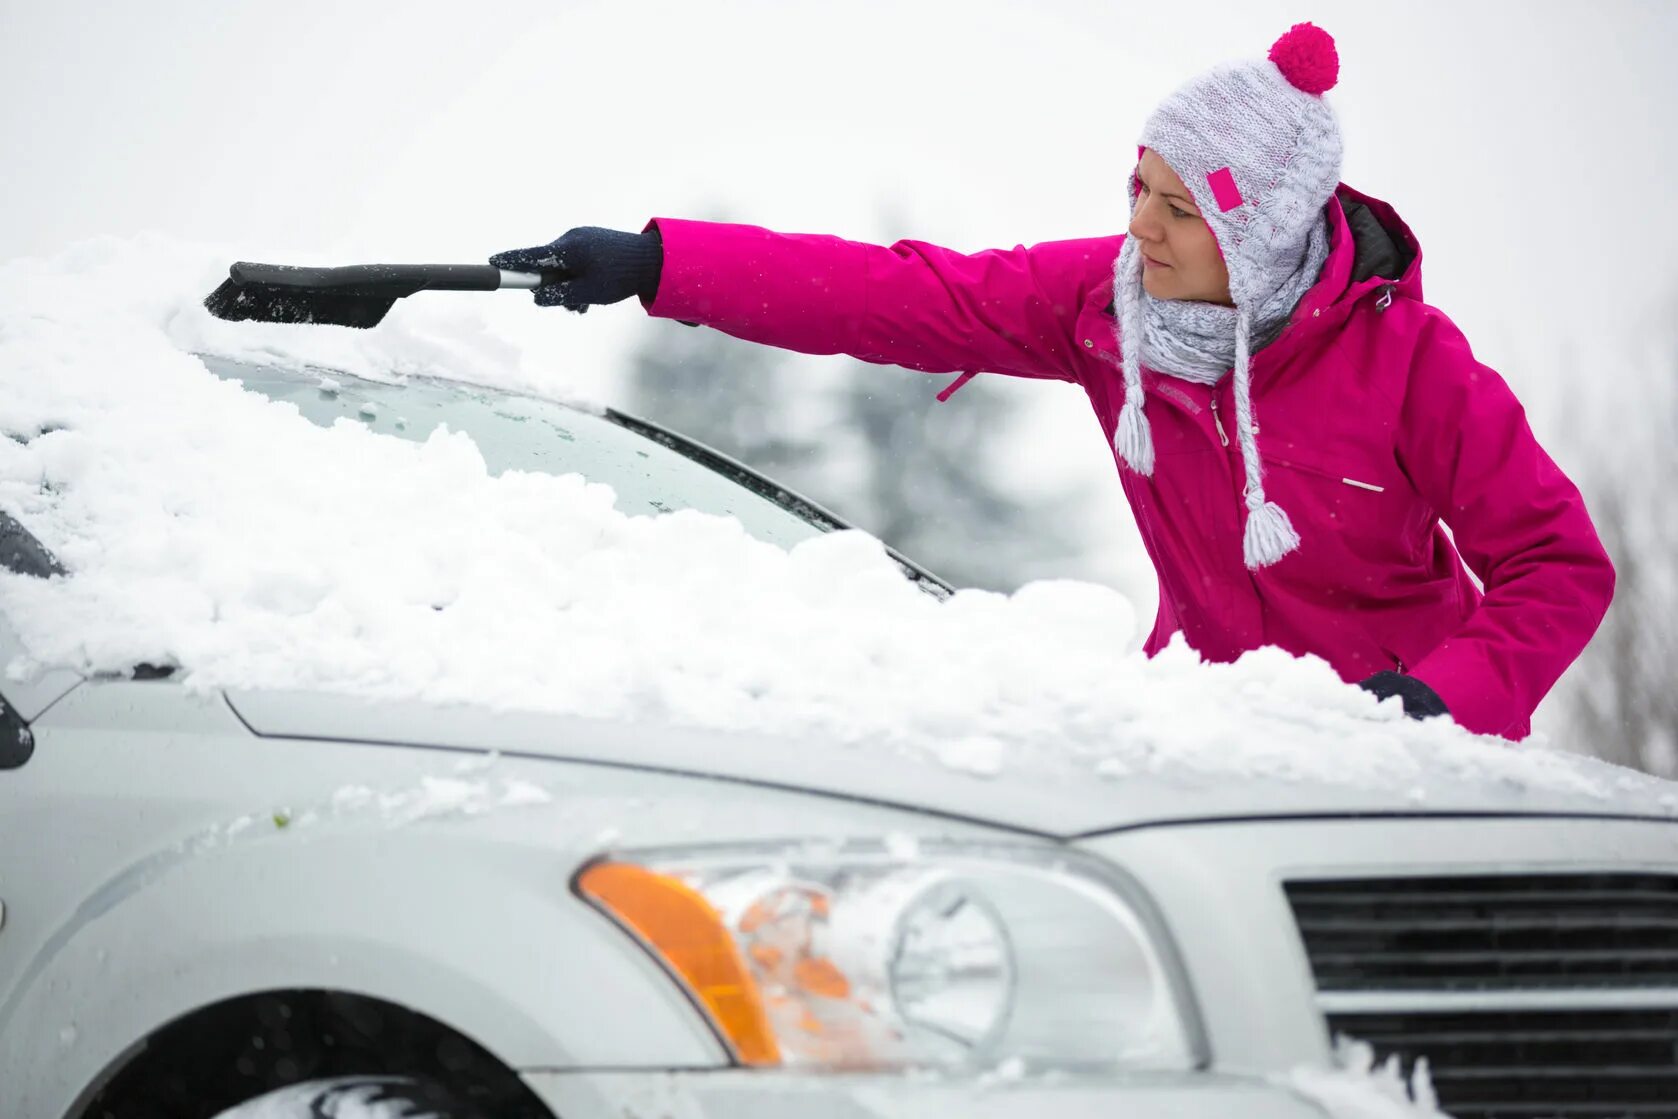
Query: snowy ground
[{"x": 208, "y": 527}]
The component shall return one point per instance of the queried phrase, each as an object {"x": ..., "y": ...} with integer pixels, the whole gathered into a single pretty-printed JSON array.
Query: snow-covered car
[{"x": 318, "y": 900}]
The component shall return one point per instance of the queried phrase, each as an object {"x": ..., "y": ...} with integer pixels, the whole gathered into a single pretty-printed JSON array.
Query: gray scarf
[{"x": 1195, "y": 341}]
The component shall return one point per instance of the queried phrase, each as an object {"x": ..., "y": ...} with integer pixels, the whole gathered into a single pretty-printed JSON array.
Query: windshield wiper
[{"x": 747, "y": 478}]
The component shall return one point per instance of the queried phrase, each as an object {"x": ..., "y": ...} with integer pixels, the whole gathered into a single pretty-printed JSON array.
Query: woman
[{"x": 1252, "y": 286}]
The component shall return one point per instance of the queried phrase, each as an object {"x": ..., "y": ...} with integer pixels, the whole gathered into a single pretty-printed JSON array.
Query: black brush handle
[{"x": 392, "y": 279}]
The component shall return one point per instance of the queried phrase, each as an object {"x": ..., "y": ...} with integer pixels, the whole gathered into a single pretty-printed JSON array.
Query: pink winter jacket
[{"x": 1375, "y": 424}]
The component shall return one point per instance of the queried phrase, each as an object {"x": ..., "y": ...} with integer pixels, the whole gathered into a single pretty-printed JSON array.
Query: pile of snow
[
  {"x": 208, "y": 527},
  {"x": 1358, "y": 1087}
]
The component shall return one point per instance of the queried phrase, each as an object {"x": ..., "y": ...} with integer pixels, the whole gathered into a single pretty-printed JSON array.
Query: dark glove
[
  {"x": 596, "y": 266},
  {"x": 1420, "y": 701}
]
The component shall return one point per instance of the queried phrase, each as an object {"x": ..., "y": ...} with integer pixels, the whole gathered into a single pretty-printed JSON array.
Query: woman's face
[{"x": 1180, "y": 258}]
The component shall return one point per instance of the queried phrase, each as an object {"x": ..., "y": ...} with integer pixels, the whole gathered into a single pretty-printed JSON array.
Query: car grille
[
  {"x": 1531, "y": 996},
  {"x": 1497, "y": 933}
]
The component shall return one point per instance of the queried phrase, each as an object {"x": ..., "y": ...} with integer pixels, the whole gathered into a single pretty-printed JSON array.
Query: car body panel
[
  {"x": 1062, "y": 800},
  {"x": 146, "y": 874},
  {"x": 34, "y": 693},
  {"x": 176, "y": 887},
  {"x": 33, "y": 689}
]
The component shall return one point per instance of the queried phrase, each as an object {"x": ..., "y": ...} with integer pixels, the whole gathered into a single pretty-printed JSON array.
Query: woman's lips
[{"x": 1150, "y": 262}]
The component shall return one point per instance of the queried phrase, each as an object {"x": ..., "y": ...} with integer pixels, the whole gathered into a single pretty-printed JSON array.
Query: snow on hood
[{"x": 209, "y": 527}]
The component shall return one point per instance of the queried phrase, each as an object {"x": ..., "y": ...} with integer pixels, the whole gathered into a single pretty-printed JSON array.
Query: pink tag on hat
[{"x": 1224, "y": 191}]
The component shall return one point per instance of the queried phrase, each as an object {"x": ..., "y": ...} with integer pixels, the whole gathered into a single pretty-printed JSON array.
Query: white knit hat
[{"x": 1259, "y": 149}]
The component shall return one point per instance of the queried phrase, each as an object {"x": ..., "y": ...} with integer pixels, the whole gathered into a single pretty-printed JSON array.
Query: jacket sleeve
[
  {"x": 1519, "y": 523},
  {"x": 913, "y": 304}
]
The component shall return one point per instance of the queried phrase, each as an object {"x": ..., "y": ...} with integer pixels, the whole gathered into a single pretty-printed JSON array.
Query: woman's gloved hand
[
  {"x": 597, "y": 266},
  {"x": 1420, "y": 701}
]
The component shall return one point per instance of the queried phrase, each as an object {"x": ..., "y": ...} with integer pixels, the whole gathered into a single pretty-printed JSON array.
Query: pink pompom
[{"x": 1307, "y": 58}]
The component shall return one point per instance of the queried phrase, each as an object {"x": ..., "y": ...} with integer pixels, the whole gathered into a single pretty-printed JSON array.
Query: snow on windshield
[{"x": 211, "y": 528}]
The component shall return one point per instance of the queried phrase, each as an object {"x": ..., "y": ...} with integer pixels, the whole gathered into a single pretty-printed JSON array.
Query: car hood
[{"x": 1063, "y": 801}]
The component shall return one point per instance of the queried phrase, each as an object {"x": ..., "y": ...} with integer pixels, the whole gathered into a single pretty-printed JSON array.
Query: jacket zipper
[{"x": 1220, "y": 424}]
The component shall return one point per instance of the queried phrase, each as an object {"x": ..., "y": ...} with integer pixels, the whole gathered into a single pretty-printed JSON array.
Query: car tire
[{"x": 356, "y": 1097}]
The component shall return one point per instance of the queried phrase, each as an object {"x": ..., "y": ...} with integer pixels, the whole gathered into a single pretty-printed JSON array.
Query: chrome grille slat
[
  {"x": 1500, "y": 923},
  {"x": 1518, "y": 955},
  {"x": 1533, "y": 896},
  {"x": 1596, "y": 1072},
  {"x": 1531, "y": 997},
  {"x": 1392, "y": 1001},
  {"x": 1423, "y": 1041},
  {"x": 1570, "y": 1111}
]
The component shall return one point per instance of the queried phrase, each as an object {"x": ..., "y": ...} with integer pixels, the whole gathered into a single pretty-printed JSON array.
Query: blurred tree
[
  {"x": 932, "y": 481},
  {"x": 877, "y": 449},
  {"x": 1624, "y": 701},
  {"x": 728, "y": 394},
  {"x": 1620, "y": 699}
]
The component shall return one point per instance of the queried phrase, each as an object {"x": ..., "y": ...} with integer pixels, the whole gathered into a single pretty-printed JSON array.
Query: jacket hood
[
  {"x": 1373, "y": 255},
  {"x": 1383, "y": 250}
]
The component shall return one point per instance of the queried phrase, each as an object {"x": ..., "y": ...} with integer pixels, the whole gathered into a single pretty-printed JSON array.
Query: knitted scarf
[{"x": 1195, "y": 341}]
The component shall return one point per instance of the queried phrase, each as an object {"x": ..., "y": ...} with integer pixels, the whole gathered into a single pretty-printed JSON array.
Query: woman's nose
[{"x": 1142, "y": 223}]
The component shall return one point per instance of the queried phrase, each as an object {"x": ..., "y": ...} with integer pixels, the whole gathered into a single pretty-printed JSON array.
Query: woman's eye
[{"x": 1180, "y": 213}]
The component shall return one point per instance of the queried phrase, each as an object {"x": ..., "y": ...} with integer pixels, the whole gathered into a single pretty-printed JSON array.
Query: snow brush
[{"x": 357, "y": 295}]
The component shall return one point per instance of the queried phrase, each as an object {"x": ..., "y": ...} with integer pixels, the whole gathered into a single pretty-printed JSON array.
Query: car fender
[{"x": 481, "y": 934}]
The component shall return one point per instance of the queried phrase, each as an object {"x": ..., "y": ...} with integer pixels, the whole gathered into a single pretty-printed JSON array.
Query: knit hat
[{"x": 1259, "y": 150}]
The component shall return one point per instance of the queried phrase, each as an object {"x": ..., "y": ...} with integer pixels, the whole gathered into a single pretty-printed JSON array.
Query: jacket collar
[
  {"x": 1372, "y": 255},
  {"x": 1371, "y": 248}
]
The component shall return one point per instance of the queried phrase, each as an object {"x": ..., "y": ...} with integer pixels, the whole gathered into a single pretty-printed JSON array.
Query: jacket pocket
[
  {"x": 1361, "y": 526},
  {"x": 1289, "y": 464}
]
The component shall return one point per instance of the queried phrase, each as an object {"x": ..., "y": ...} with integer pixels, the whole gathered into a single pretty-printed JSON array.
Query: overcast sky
[{"x": 1528, "y": 143}]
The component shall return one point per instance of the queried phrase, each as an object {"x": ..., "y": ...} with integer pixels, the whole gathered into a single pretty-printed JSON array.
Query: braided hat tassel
[
  {"x": 1132, "y": 440},
  {"x": 1269, "y": 534}
]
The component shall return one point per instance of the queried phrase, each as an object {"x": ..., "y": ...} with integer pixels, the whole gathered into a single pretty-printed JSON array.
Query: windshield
[{"x": 652, "y": 470}]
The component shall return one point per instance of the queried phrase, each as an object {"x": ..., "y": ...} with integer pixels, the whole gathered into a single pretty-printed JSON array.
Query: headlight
[{"x": 950, "y": 955}]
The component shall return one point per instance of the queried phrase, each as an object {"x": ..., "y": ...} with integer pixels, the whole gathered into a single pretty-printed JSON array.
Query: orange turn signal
[{"x": 686, "y": 932}]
